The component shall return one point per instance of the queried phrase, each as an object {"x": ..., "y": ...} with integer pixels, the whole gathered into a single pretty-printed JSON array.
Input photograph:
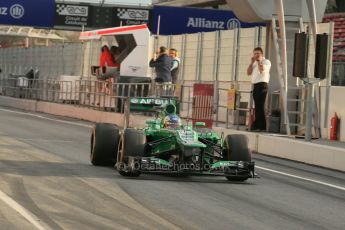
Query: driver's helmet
[{"x": 172, "y": 121}]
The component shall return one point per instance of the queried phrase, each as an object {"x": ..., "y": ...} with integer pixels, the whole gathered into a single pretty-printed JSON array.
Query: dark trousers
[{"x": 259, "y": 95}]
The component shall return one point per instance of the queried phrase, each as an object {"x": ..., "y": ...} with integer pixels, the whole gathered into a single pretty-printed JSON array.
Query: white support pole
[
  {"x": 90, "y": 59},
  {"x": 310, "y": 100},
  {"x": 27, "y": 43},
  {"x": 312, "y": 17},
  {"x": 329, "y": 73},
  {"x": 238, "y": 51},
  {"x": 234, "y": 56},
  {"x": 313, "y": 25},
  {"x": 281, "y": 19},
  {"x": 159, "y": 24},
  {"x": 283, "y": 57}
]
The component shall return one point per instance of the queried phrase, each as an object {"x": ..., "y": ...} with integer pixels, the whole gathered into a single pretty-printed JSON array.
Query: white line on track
[
  {"x": 259, "y": 167},
  {"x": 47, "y": 118},
  {"x": 301, "y": 178},
  {"x": 44, "y": 140},
  {"x": 21, "y": 210}
]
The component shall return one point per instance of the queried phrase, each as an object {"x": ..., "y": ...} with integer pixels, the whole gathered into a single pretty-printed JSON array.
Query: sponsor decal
[
  {"x": 149, "y": 101},
  {"x": 71, "y": 15},
  {"x": 134, "y": 100},
  {"x": 210, "y": 24},
  {"x": 134, "y": 68},
  {"x": 16, "y": 11},
  {"x": 72, "y": 10},
  {"x": 233, "y": 23},
  {"x": 203, "y": 23},
  {"x": 132, "y": 14},
  {"x": 3, "y": 10},
  {"x": 37, "y": 13}
]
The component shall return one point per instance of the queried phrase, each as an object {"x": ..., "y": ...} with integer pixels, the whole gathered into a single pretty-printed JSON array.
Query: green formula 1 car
[{"x": 167, "y": 146}]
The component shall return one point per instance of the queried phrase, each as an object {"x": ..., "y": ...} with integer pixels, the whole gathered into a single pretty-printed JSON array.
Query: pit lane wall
[{"x": 297, "y": 150}]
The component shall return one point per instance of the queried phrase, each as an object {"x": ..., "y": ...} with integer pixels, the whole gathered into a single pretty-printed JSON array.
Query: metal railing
[
  {"x": 111, "y": 97},
  {"x": 240, "y": 114}
]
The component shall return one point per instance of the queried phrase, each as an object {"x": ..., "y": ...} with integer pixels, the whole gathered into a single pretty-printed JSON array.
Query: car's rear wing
[{"x": 152, "y": 104}]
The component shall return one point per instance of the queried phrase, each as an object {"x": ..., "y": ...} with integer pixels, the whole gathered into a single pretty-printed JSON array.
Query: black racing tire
[
  {"x": 237, "y": 149},
  {"x": 104, "y": 144},
  {"x": 133, "y": 145},
  {"x": 134, "y": 142},
  {"x": 129, "y": 174},
  {"x": 237, "y": 178}
]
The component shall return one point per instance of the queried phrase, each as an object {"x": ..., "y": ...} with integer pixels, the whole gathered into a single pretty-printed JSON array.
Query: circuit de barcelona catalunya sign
[{"x": 38, "y": 13}]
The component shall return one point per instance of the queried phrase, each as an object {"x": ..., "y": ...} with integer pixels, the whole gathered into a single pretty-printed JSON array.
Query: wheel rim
[
  {"x": 119, "y": 158},
  {"x": 93, "y": 143}
]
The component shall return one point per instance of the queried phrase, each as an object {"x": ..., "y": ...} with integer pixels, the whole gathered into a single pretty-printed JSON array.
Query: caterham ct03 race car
[{"x": 166, "y": 145}]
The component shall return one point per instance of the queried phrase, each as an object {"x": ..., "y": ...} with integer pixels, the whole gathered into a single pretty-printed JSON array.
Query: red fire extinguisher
[{"x": 334, "y": 127}]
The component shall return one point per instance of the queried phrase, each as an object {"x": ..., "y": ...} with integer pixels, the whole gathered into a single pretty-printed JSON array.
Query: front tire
[
  {"x": 237, "y": 149},
  {"x": 132, "y": 145},
  {"x": 104, "y": 144}
]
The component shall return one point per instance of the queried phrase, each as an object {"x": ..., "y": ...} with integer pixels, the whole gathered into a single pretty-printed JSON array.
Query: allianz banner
[
  {"x": 178, "y": 20},
  {"x": 37, "y": 13}
]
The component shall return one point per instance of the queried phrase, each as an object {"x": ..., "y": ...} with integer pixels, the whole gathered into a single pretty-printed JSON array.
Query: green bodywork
[
  {"x": 145, "y": 104},
  {"x": 184, "y": 141}
]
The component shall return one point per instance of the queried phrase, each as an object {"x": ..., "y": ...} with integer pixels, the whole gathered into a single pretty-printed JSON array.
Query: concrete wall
[
  {"x": 294, "y": 149},
  {"x": 297, "y": 150}
]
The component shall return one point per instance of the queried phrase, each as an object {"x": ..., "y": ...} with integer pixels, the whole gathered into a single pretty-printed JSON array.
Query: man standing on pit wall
[
  {"x": 259, "y": 70},
  {"x": 162, "y": 64},
  {"x": 175, "y": 65}
]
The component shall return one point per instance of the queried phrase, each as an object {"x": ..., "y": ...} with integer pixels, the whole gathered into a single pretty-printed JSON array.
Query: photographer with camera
[
  {"x": 259, "y": 70},
  {"x": 162, "y": 63}
]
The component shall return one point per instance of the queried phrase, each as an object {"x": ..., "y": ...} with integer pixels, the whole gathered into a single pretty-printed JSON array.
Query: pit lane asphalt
[{"x": 45, "y": 169}]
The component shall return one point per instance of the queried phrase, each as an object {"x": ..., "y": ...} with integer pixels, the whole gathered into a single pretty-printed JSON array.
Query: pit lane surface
[{"x": 47, "y": 182}]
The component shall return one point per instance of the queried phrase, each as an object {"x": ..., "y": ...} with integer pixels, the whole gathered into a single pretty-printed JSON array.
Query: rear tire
[
  {"x": 104, "y": 144},
  {"x": 237, "y": 149},
  {"x": 132, "y": 145}
]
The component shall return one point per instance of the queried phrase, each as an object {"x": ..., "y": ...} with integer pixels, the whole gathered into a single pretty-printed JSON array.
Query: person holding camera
[
  {"x": 162, "y": 64},
  {"x": 259, "y": 70}
]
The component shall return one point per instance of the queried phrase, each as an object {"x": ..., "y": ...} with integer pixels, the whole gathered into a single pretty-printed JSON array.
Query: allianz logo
[
  {"x": 16, "y": 11},
  {"x": 210, "y": 24}
]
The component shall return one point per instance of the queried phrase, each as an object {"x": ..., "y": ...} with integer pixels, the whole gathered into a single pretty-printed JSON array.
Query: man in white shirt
[
  {"x": 175, "y": 65},
  {"x": 259, "y": 70}
]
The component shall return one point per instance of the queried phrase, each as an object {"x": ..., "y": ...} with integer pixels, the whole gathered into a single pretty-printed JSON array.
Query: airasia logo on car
[{"x": 148, "y": 101}]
